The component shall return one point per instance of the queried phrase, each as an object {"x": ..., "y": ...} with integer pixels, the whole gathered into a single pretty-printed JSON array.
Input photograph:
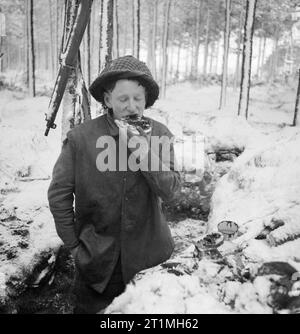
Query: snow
[
  {"x": 27, "y": 231},
  {"x": 167, "y": 294},
  {"x": 260, "y": 189},
  {"x": 263, "y": 187}
]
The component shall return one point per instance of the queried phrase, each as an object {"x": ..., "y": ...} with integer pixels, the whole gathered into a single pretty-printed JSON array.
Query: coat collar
[{"x": 112, "y": 126}]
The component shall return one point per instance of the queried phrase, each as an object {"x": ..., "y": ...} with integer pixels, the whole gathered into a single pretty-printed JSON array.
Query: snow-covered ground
[{"x": 260, "y": 188}]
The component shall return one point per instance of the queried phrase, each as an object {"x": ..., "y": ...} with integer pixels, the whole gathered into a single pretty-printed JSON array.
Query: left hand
[{"x": 138, "y": 144}]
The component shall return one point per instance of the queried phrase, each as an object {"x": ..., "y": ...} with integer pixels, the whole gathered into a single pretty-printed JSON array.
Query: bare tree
[
  {"x": 69, "y": 84},
  {"x": 260, "y": 46},
  {"x": 197, "y": 39},
  {"x": 165, "y": 47},
  {"x": 51, "y": 41},
  {"x": 225, "y": 56},
  {"x": 106, "y": 33},
  {"x": 238, "y": 56},
  {"x": 152, "y": 32},
  {"x": 30, "y": 45},
  {"x": 295, "y": 121},
  {"x": 178, "y": 62},
  {"x": 2, "y": 34},
  {"x": 136, "y": 7},
  {"x": 87, "y": 52},
  {"x": 247, "y": 58},
  {"x": 206, "y": 42},
  {"x": 262, "y": 58},
  {"x": 125, "y": 45},
  {"x": 116, "y": 46}
]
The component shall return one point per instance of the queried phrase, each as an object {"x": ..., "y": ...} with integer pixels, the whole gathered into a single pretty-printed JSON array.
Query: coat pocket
[{"x": 96, "y": 255}]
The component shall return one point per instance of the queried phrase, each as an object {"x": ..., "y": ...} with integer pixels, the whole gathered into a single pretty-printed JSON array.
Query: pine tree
[
  {"x": 116, "y": 46},
  {"x": 165, "y": 47},
  {"x": 226, "y": 52},
  {"x": 152, "y": 32},
  {"x": 247, "y": 58},
  {"x": 106, "y": 33},
  {"x": 295, "y": 121},
  {"x": 206, "y": 42},
  {"x": 197, "y": 37},
  {"x": 69, "y": 84},
  {"x": 136, "y": 24},
  {"x": 31, "y": 50},
  {"x": 238, "y": 56}
]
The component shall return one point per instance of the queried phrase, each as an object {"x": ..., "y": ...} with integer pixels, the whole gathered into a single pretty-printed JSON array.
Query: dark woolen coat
[{"x": 115, "y": 211}]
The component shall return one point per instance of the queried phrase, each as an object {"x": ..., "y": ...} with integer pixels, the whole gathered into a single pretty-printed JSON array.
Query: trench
[{"x": 55, "y": 295}]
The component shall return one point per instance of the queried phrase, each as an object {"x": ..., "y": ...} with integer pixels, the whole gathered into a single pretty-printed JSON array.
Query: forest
[
  {"x": 229, "y": 73},
  {"x": 180, "y": 40}
]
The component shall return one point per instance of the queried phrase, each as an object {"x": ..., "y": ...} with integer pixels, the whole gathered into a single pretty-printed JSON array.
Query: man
[{"x": 117, "y": 228}]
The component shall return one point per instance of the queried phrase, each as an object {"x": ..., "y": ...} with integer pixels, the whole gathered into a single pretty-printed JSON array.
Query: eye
[
  {"x": 123, "y": 99},
  {"x": 138, "y": 99}
]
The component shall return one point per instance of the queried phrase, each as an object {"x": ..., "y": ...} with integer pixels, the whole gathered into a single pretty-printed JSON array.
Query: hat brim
[{"x": 97, "y": 88}]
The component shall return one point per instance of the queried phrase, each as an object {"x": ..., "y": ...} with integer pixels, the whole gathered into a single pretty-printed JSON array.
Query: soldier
[{"x": 117, "y": 227}]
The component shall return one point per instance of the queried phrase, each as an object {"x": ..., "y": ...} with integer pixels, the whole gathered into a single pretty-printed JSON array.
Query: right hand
[{"x": 74, "y": 251}]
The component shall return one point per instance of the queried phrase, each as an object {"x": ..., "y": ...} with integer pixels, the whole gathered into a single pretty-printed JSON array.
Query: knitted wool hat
[{"x": 126, "y": 67}]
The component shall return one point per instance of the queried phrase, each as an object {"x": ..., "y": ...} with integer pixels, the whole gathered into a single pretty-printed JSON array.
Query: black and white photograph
[{"x": 149, "y": 159}]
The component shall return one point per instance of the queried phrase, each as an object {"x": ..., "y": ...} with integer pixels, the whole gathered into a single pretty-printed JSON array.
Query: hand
[
  {"x": 74, "y": 251},
  {"x": 139, "y": 144},
  {"x": 129, "y": 136}
]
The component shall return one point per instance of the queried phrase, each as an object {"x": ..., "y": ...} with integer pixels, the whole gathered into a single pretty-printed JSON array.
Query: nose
[{"x": 132, "y": 107}]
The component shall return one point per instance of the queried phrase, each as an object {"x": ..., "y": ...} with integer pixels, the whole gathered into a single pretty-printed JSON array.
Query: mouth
[
  {"x": 132, "y": 118},
  {"x": 137, "y": 120}
]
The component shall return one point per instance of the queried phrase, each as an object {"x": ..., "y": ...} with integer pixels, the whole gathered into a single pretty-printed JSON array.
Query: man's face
[{"x": 127, "y": 98}]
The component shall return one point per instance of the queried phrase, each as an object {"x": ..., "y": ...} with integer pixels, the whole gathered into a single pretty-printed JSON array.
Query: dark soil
[{"x": 56, "y": 298}]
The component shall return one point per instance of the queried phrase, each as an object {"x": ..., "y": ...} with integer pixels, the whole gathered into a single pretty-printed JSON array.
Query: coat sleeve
[
  {"x": 61, "y": 194},
  {"x": 165, "y": 182}
]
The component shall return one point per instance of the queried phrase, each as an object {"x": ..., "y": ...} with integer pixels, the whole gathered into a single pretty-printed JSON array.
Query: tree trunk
[
  {"x": 1, "y": 55},
  {"x": 75, "y": 101},
  {"x": 212, "y": 52},
  {"x": 153, "y": 43},
  {"x": 207, "y": 42},
  {"x": 101, "y": 33},
  {"x": 238, "y": 57},
  {"x": 259, "y": 56},
  {"x": 51, "y": 42},
  {"x": 107, "y": 33},
  {"x": 186, "y": 74},
  {"x": 275, "y": 58},
  {"x": 150, "y": 32},
  {"x": 247, "y": 58},
  {"x": 31, "y": 54},
  {"x": 225, "y": 56},
  {"x": 197, "y": 40},
  {"x": 136, "y": 4},
  {"x": 217, "y": 57},
  {"x": 94, "y": 37},
  {"x": 171, "y": 51},
  {"x": 2, "y": 33},
  {"x": 88, "y": 53},
  {"x": 26, "y": 48},
  {"x": 55, "y": 39},
  {"x": 291, "y": 55},
  {"x": 177, "y": 74},
  {"x": 165, "y": 48},
  {"x": 295, "y": 121},
  {"x": 151, "y": 55},
  {"x": 262, "y": 58},
  {"x": 116, "y": 30},
  {"x": 125, "y": 45}
]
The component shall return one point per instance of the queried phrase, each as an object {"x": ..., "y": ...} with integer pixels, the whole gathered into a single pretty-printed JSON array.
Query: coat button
[{"x": 129, "y": 227}]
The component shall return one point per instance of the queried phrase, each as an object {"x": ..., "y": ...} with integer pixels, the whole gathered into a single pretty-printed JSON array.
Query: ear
[{"x": 107, "y": 100}]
